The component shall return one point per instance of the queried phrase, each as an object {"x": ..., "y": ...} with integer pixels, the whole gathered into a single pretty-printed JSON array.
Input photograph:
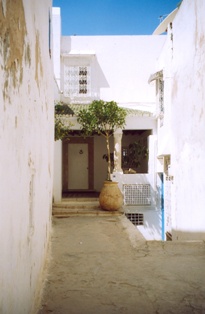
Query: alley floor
[{"x": 102, "y": 265}]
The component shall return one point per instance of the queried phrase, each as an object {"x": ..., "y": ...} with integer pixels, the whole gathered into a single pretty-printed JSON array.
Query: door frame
[{"x": 65, "y": 168}]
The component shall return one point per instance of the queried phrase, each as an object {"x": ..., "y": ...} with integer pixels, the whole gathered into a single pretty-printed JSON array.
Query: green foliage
[
  {"x": 61, "y": 108},
  {"x": 102, "y": 117},
  {"x": 61, "y": 131}
]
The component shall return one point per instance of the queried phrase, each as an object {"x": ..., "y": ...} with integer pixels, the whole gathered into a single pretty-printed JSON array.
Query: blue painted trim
[{"x": 162, "y": 206}]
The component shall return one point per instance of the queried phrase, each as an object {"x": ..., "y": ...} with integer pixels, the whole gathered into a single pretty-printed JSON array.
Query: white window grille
[
  {"x": 137, "y": 194},
  {"x": 77, "y": 81}
]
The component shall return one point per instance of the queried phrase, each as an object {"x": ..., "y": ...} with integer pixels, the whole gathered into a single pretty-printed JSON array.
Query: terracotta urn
[{"x": 110, "y": 198}]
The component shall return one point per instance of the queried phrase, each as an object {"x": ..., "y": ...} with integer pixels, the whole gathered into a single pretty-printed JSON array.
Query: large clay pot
[{"x": 110, "y": 197}]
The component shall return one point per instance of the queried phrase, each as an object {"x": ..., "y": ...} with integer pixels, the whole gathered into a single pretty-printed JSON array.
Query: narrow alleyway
[{"x": 101, "y": 265}]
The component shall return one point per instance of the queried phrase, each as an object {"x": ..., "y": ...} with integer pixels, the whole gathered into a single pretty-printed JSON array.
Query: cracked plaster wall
[
  {"x": 184, "y": 69},
  {"x": 188, "y": 120},
  {"x": 26, "y": 154}
]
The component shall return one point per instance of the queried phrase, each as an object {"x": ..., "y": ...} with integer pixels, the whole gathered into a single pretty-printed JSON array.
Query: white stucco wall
[
  {"x": 187, "y": 121},
  {"x": 57, "y": 172},
  {"x": 120, "y": 67},
  {"x": 56, "y": 47},
  {"x": 164, "y": 129},
  {"x": 26, "y": 154}
]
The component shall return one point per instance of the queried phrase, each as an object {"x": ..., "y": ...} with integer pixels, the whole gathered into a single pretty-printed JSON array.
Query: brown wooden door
[{"x": 78, "y": 164}]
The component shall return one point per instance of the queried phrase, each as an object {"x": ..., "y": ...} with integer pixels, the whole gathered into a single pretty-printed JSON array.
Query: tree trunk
[{"x": 109, "y": 161}]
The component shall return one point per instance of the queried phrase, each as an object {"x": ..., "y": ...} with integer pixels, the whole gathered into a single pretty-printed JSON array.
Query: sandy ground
[{"x": 101, "y": 265}]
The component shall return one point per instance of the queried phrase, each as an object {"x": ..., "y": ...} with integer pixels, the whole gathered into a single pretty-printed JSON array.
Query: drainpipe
[{"x": 162, "y": 205}]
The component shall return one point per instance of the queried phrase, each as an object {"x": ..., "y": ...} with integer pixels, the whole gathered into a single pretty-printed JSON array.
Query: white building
[
  {"x": 159, "y": 74},
  {"x": 114, "y": 68},
  {"x": 181, "y": 127},
  {"x": 26, "y": 154}
]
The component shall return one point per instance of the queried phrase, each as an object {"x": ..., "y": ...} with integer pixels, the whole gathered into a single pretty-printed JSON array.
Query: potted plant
[{"x": 103, "y": 118}]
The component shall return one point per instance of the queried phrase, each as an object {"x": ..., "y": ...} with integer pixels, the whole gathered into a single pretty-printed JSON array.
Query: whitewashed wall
[
  {"x": 165, "y": 64},
  {"x": 26, "y": 154},
  {"x": 56, "y": 48},
  {"x": 187, "y": 121},
  {"x": 120, "y": 67}
]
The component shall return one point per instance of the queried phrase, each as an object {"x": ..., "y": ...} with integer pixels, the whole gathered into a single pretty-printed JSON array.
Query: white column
[{"x": 118, "y": 151}]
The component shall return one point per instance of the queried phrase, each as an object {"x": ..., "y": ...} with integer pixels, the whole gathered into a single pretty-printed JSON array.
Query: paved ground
[{"x": 101, "y": 265}]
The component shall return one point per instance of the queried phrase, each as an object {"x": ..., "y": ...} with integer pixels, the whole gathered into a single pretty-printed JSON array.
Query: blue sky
[{"x": 112, "y": 17}]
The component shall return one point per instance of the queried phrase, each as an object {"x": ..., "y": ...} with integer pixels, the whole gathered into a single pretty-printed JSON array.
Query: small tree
[{"x": 102, "y": 118}]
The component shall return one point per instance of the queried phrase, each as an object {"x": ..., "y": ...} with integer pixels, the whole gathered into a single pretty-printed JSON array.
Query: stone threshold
[{"x": 81, "y": 207}]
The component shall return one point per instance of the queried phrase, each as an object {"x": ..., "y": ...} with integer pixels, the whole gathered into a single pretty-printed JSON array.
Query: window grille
[
  {"x": 76, "y": 81},
  {"x": 83, "y": 80},
  {"x": 135, "y": 218},
  {"x": 137, "y": 194}
]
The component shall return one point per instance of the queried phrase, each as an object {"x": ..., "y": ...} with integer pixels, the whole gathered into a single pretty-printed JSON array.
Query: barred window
[
  {"x": 83, "y": 80},
  {"x": 136, "y": 219},
  {"x": 137, "y": 194},
  {"x": 76, "y": 81}
]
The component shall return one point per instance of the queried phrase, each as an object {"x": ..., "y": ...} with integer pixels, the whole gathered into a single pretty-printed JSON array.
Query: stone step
[{"x": 81, "y": 207}]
